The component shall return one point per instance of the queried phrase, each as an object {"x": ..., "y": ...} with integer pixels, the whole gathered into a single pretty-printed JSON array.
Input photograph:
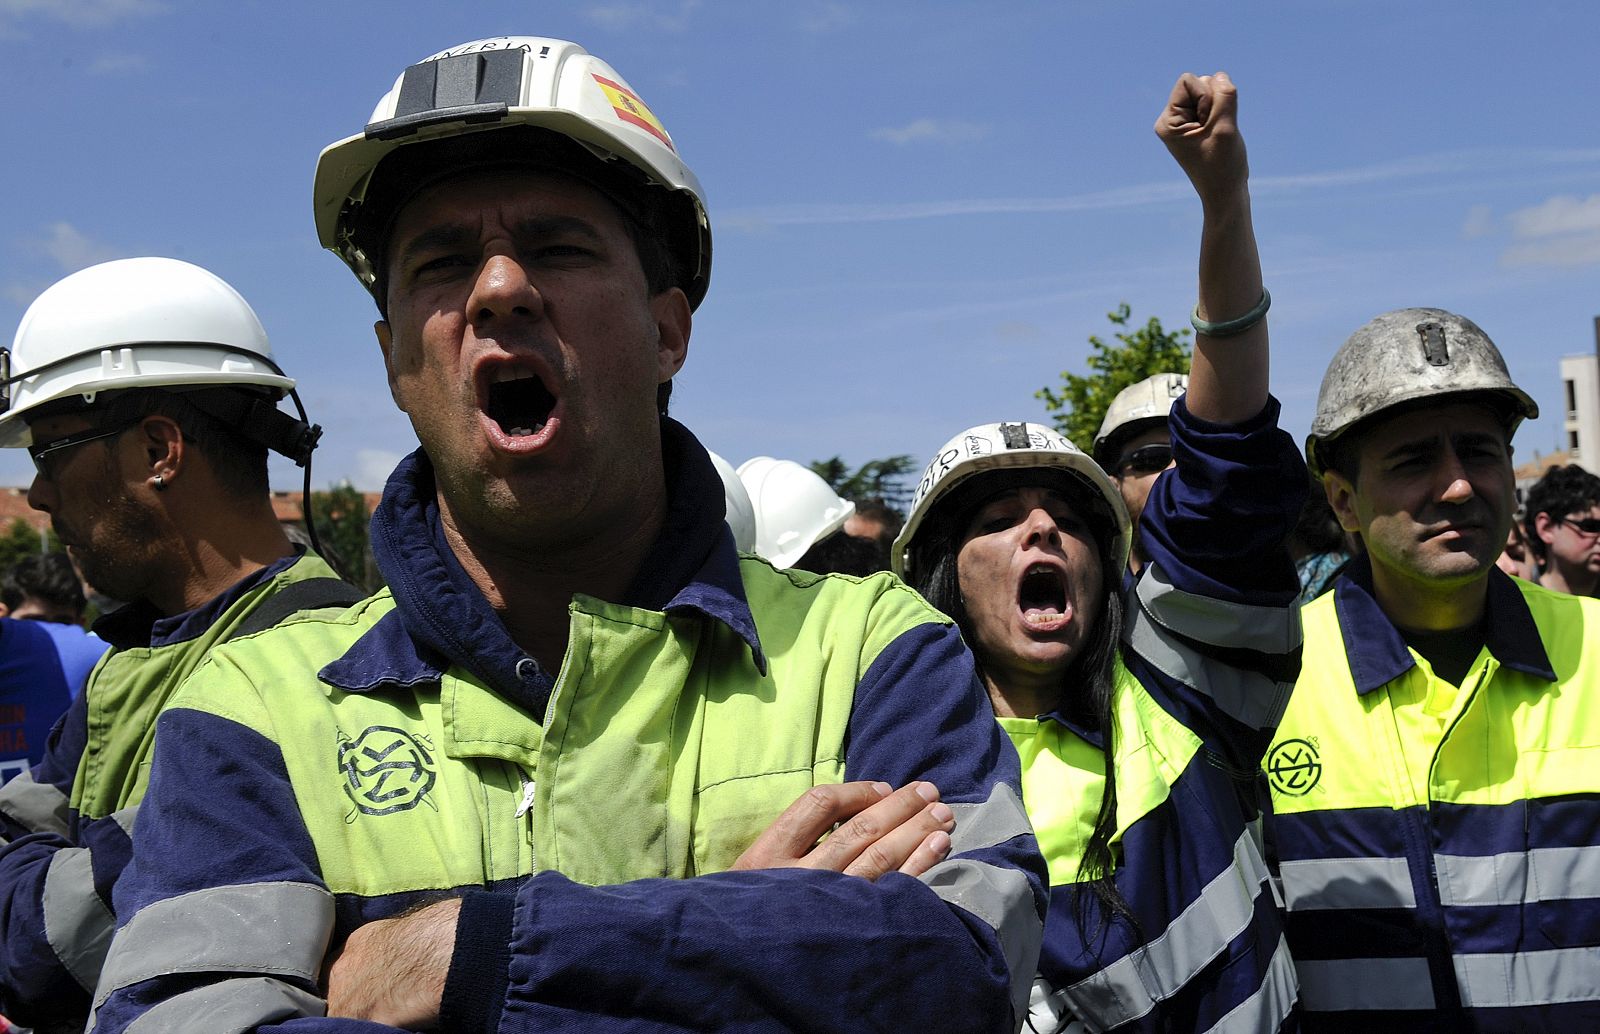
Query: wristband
[{"x": 1233, "y": 327}]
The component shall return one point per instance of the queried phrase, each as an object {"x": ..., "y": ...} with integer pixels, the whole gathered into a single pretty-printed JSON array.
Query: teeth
[
  {"x": 505, "y": 374},
  {"x": 1040, "y": 617}
]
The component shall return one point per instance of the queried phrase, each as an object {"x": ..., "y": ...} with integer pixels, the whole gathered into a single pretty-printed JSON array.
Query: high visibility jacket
[
  {"x": 1439, "y": 847},
  {"x": 65, "y": 826},
  {"x": 433, "y": 757},
  {"x": 1209, "y": 653}
]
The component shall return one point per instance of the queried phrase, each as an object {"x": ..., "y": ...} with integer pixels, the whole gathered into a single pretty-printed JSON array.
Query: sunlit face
[
  {"x": 1032, "y": 582},
  {"x": 109, "y": 534},
  {"x": 1568, "y": 545},
  {"x": 1434, "y": 494},
  {"x": 526, "y": 348}
]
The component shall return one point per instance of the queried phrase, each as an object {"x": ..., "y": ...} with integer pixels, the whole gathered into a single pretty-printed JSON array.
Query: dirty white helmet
[
  {"x": 1409, "y": 356},
  {"x": 992, "y": 448},
  {"x": 132, "y": 323},
  {"x": 795, "y": 509},
  {"x": 1136, "y": 407},
  {"x": 474, "y": 94},
  {"x": 741, "y": 516}
]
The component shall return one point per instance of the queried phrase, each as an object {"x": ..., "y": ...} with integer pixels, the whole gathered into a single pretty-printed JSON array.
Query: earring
[{"x": 161, "y": 483}]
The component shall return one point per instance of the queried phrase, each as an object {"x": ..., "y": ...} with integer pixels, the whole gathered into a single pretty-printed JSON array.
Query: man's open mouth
[
  {"x": 1042, "y": 595},
  {"x": 518, "y": 401}
]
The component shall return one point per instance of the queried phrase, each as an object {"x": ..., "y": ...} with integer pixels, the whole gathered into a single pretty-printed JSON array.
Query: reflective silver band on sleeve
[
  {"x": 77, "y": 923},
  {"x": 1336, "y": 985},
  {"x": 1265, "y": 1010},
  {"x": 1527, "y": 978},
  {"x": 1328, "y": 883},
  {"x": 1233, "y": 626},
  {"x": 230, "y": 1007},
  {"x": 1131, "y": 986},
  {"x": 281, "y": 929},
  {"x": 39, "y": 806},
  {"x": 1001, "y": 897},
  {"x": 124, "y": 819},
  {"x": 1520, "y": 877},
  {"x": 1047, "y": 1010},
  {"x": 1249, "y": 697}
]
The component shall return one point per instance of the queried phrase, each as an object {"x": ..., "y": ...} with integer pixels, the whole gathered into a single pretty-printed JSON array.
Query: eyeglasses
[
  {"x": 1589, "y": 526},
  {"x": 1147, "y": 459},
  {"x": 41, "y": 453}
]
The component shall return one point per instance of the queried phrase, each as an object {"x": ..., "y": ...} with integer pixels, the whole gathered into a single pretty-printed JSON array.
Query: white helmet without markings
[
  {"x": 989, "y": 448},
  {"x": 1136, "y": 406},
  {"x": 491, "y": 85},
  {"x": 794, "y": 508},
  {"x": 132, "y": 323},
  {"x": 1409, "y": 356},
  {"x": 741, "y": 516}
]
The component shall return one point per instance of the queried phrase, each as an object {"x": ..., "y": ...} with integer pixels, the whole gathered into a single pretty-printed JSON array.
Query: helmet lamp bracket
[
  {"x": 468, "y": 88},
  {"x": 1434, "y": 347}
]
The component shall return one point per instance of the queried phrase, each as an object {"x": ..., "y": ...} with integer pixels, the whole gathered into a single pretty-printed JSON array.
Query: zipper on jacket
[{"x": 530, "y": 788}]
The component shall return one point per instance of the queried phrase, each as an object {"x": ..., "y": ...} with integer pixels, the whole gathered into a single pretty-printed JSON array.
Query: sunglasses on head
[
  {"x": 1585, "y": 526},
  {"x": 1147, "y": 459}
]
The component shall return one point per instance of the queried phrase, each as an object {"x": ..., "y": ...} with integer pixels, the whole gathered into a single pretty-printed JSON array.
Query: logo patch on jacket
[
  {"x": 386, "y": 770},
  {"x": 1294, "y": 767}
]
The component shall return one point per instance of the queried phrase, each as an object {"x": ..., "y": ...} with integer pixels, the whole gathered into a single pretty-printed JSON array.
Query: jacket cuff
[{"x": 475, "y": 988}]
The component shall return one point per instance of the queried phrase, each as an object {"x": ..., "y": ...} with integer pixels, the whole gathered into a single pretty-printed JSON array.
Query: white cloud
[
  {"x": 80, "y": 14},
  {"x": 118, "y": 64},
  {"x": 943, "y": 131},
  {"x": 1561, "y": 231},
  {"x": 1562, "y": 214},
  {"x": 636, "y": 15},
  {"x": 373, "y": 467},
  {"x": 1479, "y": 222},
  {"x": 826, "y": 17},
  {"x": 70, "y": 249}
]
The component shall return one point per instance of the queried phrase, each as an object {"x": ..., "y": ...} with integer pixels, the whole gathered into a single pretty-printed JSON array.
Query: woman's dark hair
[{"x": 1092, "y": 672}]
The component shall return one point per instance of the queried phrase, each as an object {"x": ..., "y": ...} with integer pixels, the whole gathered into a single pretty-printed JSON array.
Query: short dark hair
[
  {"x": 844, "y": 554},
  {"x": 1560, "y": 491},
  {"x": 49, "y": 578},
  {"x": 239, "y": 464}
]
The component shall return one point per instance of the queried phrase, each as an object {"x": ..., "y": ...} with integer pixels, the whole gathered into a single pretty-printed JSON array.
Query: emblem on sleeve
[
  {"x": 386, "y": 770},
  {"x": 1294, "y": 767}
]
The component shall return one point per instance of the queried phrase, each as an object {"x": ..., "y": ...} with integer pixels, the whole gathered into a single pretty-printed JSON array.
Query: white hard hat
[
  {"x": 1135, "y": 407},
  {"x": 993, "y": 448},
  {"x": 795, "y": 509},
  {"x": 481, "y": 89},
  {"x": 1405, "y": 357},
  {"x": 132, "y": 323},
  {"x": 741, "y": 515}
]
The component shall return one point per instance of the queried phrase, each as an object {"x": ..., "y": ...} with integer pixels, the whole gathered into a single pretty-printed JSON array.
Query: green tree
[
  {"x": 341, "y": 514},
  {"x": 884, "y": 479},
  {"x": 21, "y": 541},
  {"x": 1080, "y": 404}
]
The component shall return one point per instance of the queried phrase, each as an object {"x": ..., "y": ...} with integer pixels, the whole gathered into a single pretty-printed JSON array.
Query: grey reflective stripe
[
  {"x": 1249, "y": 697},
  {"x": 1520, "y": 877},
  {"x": 1131, "y": 986},
  {"x": 77, "y": 923},
  {"x": 1003, "y": 899},
  {"x": 125, "y": 817},
  {"x": 280, "y": 929},
  {"x": 1047, "y": 1010},
  {"x": 1234, "y": 626},
  {"x": 1320, "y": 883},
  {"x": 38, "y": 806},
  {"x": 1266, "y": 1009},
  {"x": 230, "y": 1007},
  {"x": 996, "y": 820},
  {"x": 1336, "y": 985},
  {"x": 1528, "y": 978}
]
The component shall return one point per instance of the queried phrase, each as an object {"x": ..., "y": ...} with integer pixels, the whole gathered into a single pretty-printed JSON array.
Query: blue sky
[{"x": 921, "y": 211}]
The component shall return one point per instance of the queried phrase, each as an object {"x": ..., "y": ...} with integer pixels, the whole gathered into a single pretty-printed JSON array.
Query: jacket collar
[
  {"x": 140, "y": 624},
  {"x": 441, "y": 619},
  {"x": 1377, "y": 652}
]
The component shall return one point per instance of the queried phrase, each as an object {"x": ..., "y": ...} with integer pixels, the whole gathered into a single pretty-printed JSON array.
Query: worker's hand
[
  {"x": 880, "y": 830},
  {"x": 1200, "y": 128},
  {"x": 393, "y": 971}
]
